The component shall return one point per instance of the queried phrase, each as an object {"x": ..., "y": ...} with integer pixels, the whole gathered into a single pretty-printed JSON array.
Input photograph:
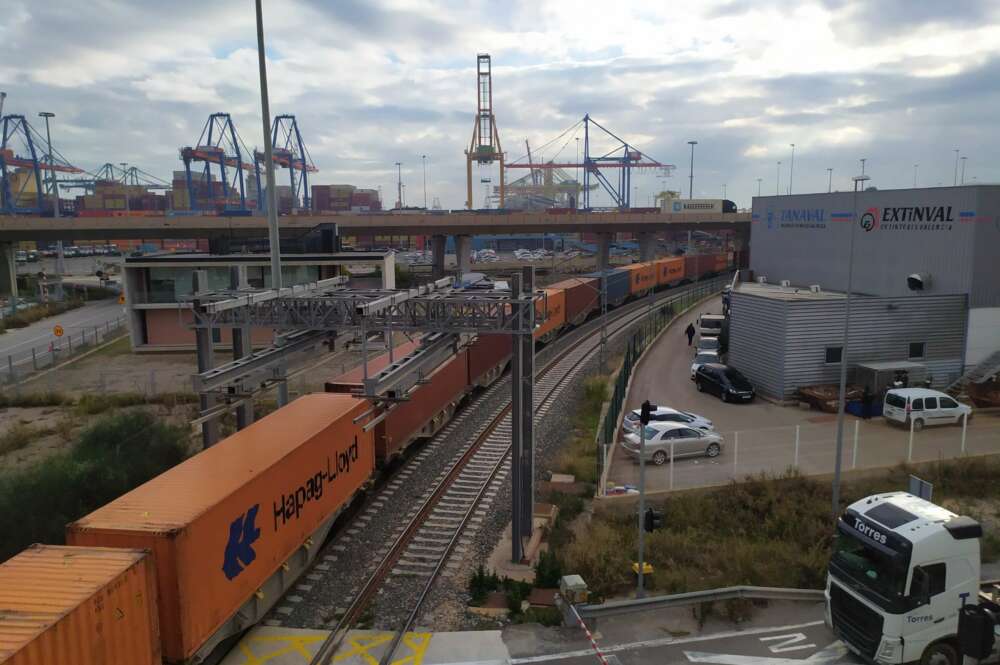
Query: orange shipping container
[
  {"x": 221, "y": 523},
  {"x": 669, "y": 271},
  {"x": 85, "y": 606},
  {"x": 642, "y": 277},
  {"x": 555, "y": 314}
]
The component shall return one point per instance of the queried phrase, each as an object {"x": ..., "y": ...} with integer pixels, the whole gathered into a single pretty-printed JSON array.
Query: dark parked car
[{"x": 724, "y": 381}]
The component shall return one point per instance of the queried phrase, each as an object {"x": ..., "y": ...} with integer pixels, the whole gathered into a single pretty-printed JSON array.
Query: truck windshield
[{"x": 882, "y": 572}]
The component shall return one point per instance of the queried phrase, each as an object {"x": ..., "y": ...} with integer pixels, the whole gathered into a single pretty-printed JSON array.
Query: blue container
[{"x": 618, "y": 285}]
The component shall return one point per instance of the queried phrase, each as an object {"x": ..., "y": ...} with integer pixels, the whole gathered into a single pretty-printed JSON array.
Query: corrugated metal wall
[
  {"x": 986, "y": 271},
  {"x": 757, "y": 341},
  {"x": 781, "y": 345}
]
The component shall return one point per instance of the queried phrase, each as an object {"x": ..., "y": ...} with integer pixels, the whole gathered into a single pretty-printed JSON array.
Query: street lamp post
[
  {"x": 759, "y": 180},
  {"x": 829, "y": 182},
  {"x": 60, "y": 256},
  {"x": 842, "y": 404},
  {"x": 963, "y": 168},
  {"x": 955, "y": 182},
  {"x": 691, "y": 174},
  {"x": 423, "y": 158},
  {"x": 791, "y": 170},
  {"x": 863, "y": 160},
  {"x": 399, "y": 185},
  {"x": 777, "y": 182},
  {"x": 915, "y": 166},
  {"x": 577, "y": 175},
  {"x": 723, "y": 190}
]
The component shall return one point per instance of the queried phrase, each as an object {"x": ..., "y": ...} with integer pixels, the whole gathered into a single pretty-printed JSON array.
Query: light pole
[
  {"x": 842, "y": 403},
  {"x": 915, "y": 167},
  {"x": 955, "y": 182},
  {"x": 723, "y": 190},
  {"x": 829, "y": 182},
  {"x": 3, "y": 96},
  {"x": 691, "y": 175},
  {"x": 60, "y": 257},
  {"x": 759, "y": 180},
  {"x": 399, "y": 185},
  {"x": 777, "y": 182},
  {"x": 423, "y": 158},
  {"x": 791, "y": 170},
  {"x": 577, "y": 175},
  {"x": 963, "y": 168},
  {"x": 863, "y": 160}
]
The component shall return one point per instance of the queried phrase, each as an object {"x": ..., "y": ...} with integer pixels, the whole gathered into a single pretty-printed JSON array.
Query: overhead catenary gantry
[
  {"x": 484, "y": 149},
  {"x": 620, "y": 156},
  {"x": 307, "y": 315}
]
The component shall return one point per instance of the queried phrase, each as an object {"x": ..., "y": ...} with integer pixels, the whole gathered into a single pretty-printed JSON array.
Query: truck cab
[{"x": 901, "y": 569}]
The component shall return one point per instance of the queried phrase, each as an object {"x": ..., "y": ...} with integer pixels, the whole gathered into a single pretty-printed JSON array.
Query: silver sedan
[{"x": 685, "y": 441}]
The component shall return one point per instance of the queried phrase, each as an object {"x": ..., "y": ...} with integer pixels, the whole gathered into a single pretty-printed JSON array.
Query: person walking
[
  {"x": 866, "y": 403},
  {"x": 689, "y": 331}
]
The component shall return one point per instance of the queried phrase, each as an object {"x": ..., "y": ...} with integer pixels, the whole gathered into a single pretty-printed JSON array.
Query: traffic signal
[
  {"x": 644, "y": 413},
  {"x": 652, "y": 520}
]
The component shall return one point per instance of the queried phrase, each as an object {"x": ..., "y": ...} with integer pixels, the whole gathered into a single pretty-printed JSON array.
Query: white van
[
  {"x": 924, "y": 406},
  {"x": 710, "y": 325}
]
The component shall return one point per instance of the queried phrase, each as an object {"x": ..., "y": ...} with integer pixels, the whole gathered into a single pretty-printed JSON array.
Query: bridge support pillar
[
  {"x": 8, "y": 270},
  {"x": 463, "y": 251},
  {"x": 604, "y": 250},
  {"x": 218, "y": 245},
  {"x": 690, "y": 246},
  {"x": 647, "y": 246},
  {"x": 437, "y": 256}
]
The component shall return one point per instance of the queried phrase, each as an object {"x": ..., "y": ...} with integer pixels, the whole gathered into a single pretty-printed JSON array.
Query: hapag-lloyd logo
[{"x": 908, "y": 218}]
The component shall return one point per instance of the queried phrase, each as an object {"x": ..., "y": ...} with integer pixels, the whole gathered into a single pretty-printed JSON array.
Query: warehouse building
[{"x": 926, "y": 285}]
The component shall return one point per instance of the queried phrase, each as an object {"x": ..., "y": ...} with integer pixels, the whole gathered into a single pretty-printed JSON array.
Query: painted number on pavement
[{"x": 789, "y": 642}]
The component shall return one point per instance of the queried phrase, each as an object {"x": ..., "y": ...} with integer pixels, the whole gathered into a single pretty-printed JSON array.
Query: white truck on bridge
[{"x": 901, "y": 570}]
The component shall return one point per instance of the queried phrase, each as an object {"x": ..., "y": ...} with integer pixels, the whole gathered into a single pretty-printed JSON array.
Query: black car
[{"x": 724, "y": 381}]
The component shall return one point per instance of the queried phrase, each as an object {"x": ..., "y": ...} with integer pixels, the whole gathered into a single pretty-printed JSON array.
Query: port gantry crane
[
  {"x": 621, "y": 156},
  {"x": 485, "y": 145},
  {"x": 287, "y": 151},
  {"x": 219, "y": 145},
  {"x": 23, "y": 147}
]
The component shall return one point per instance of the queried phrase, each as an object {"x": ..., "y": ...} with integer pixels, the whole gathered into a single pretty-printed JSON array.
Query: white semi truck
[{"x": 902, "y": 569}]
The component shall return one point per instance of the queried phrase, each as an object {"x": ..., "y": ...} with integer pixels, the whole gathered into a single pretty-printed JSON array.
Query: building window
[
  {"x": 834, "y": 354},
  {"x": 917, "y": 350}
]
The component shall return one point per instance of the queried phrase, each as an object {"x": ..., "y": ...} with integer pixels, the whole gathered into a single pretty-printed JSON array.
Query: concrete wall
[
  {"x": 781, "y": 345},
  {"x": 805, "y": 239},
  {"x": 167, "y": 328}
]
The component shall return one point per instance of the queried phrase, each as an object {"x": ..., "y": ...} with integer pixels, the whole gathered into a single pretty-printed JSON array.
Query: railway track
[{"x": 451, "y": 510}]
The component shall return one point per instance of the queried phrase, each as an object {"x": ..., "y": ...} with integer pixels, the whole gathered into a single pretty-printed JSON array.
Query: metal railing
[
  {"x": 76, "y": 340},
  {"x": 617, "y": 607}
]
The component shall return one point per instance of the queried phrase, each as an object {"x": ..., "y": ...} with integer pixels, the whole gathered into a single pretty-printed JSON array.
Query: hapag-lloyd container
[
  {"x": 583, "y": 296},
  {"x": 669, "y": 271},
  {"x": 221, "y": 523},
  {"x": 78, "y": 606}
]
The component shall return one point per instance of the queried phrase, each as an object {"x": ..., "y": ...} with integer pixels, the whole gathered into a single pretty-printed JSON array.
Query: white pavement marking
[
  {"x": 666, "y": 641},
  {"x": 790, "y": 642},
  {"x": 832, "y": 653}
]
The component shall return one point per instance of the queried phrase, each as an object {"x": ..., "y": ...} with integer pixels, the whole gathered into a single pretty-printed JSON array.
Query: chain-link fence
[{"x": 658, "y": 318}]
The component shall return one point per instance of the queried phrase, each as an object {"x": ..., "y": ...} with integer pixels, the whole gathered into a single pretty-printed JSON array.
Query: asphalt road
[
  {"x": 18, "y": 342},
  {"x": 761, "y": 436}
]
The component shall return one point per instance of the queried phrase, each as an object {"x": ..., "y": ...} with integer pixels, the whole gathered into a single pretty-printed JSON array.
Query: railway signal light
[
  {"x": 652, "y": 520},
  {"x": 644, "y": 413}
]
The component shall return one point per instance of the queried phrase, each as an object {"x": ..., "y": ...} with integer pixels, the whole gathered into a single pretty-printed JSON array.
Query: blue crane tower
[
  {"x": 23, "y": 148},
  {"x": 287, "y": 151},
  {"x": 219, "y": 148}
]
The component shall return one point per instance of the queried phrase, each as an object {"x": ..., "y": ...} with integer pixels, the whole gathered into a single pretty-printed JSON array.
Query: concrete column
[
  {"x": 463, "y": 248},
  {"x": 647, "y": 246},
  {"x": 389, "y": 272},
  {"x": 206, "y": 361},
  {"x": 437, "y": 256},
  {"x": 8, "y": 270},
  {"x": 242, "y": 345},
  {"x": 604, "y": 250}
]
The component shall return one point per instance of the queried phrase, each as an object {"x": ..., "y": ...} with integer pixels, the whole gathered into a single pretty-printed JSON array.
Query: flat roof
[{"x": 778, "y": 292}]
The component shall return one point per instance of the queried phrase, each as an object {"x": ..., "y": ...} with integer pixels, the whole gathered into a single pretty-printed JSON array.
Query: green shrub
[
  {"x": 30, "y": 400},
  {"x": 547, "y": 616},
  {"x": 92, "y": 404},
  {"x": 548, "y": 571},
  {"x": 19, "y": 435},
  {"x": 113, "y": 456},
  {"x": 26, "y": 317}
]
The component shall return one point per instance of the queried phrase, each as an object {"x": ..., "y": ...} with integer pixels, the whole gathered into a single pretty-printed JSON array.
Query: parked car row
[{"x": 670, "y": 431}]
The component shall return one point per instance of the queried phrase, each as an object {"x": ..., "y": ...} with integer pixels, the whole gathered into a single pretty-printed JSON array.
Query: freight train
[{"x": 173, "y": 570}]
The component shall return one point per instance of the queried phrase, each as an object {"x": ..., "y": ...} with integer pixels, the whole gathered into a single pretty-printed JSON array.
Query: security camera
[{"x": 919, "y": 281}]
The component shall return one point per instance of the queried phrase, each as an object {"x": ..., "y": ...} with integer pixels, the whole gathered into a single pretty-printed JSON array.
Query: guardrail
[
  {"x": 19, "y": 366},
  {"x": 618, "y": 607}
]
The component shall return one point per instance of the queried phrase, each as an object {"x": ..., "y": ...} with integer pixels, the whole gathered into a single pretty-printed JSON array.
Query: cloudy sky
[{"x": 373, "y": 82}]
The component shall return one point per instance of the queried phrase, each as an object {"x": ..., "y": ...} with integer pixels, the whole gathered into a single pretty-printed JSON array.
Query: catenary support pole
[
  {"x": 242, "y": 345},
  {"x": 206, "y": 361},
  {"x": 516, "y": 469},
  {"x": 640, "y": 591},
  {"x": 527, "y": 341},
  {"x": 965, "y": 425}
]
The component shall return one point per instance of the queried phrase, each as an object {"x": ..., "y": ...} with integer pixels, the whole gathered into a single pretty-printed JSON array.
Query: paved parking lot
[{"x": 761, "y": 437}]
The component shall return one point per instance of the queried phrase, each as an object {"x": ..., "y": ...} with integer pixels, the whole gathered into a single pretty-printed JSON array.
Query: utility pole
[
  {"x": 60, "y": 256},
  {"x": 829, "y": 184},
  {"x": 963, "y": 168},
  {"x": 723, "y": 190},
  {"x": 691, "y": 175},
  {"x": 915, "y": 175},
  {"x": 759, "y": 180},
  {"x": 956, "y": 168},
  {"x": 777, "y": 183},
  {"x": 274, "y": 236},
  {"x": 423, "y": 158},
  {"x": 842, "y": 404},
  {"x": 863, "y": 160},
  {"x": 643, "y": 421},
  {"x": 3, "y": 96},
  {"x": 577, "y": 175},
  {"x": 791, "y": 170},
  {"x": 399, "y": 185}
]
